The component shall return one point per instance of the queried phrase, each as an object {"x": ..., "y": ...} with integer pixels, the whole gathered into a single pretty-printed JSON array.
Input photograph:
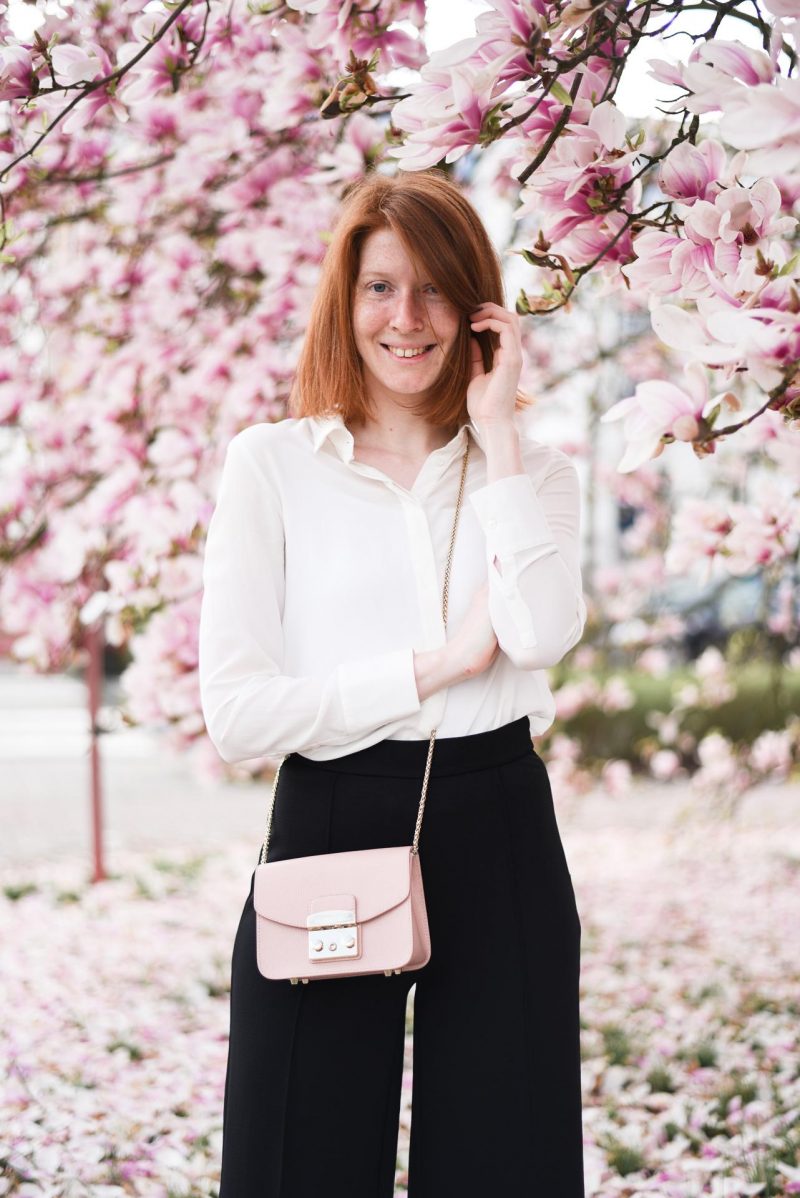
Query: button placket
[{"x": 423, "y": 561}]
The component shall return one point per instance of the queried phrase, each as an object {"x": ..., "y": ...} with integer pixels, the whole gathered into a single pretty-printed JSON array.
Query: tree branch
[{"x": 94, "y": 85}]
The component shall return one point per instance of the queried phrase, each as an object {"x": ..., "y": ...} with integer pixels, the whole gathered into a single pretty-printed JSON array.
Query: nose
[{"x": 408, "y": 311}]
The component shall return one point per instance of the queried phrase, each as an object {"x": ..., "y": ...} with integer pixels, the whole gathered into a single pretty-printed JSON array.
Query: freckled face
[{"x": 398, "y": 320}]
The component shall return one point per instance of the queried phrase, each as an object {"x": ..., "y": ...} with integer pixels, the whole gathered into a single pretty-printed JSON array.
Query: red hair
[{"x": 446, "y": 239}]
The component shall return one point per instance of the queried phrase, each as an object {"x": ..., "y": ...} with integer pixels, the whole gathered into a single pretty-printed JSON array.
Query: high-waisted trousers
[{"x": 314, "y": 1074}]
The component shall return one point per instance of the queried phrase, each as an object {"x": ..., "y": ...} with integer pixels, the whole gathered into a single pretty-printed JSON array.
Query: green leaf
[
  {"x": 560, "y": 93},
  {"x": 789, "y": 267}
]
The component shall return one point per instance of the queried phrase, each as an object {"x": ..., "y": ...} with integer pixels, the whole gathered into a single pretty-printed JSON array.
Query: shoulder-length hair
[{"x": 448, "y": 244}]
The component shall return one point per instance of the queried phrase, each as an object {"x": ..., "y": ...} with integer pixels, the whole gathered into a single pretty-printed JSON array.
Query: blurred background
[{"x": 159, "y": 251}]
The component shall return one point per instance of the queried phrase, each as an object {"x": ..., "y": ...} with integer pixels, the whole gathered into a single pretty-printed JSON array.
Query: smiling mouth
[{"x": 408, "y": 355}]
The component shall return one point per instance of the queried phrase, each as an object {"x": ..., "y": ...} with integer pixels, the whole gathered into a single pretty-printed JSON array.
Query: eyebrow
[{"x": 385, "y": 274}]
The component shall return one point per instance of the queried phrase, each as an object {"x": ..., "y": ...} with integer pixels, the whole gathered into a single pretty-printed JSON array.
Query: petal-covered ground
[{"x": 114, "y": 1001}]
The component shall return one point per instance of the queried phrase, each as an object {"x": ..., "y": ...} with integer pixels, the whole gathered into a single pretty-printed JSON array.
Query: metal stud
[
  {"x": 350, "y": 942},
  {"x": 332, "y": 946},
  {"x": 317, "y": 946}
]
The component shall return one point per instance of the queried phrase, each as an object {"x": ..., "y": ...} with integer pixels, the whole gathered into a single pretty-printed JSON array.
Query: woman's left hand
[{"x": 491, "y": 396}]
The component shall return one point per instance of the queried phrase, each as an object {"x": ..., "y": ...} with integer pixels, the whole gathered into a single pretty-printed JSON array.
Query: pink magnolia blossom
[
  {"x": 771, "y": 754},
  {"x": 615, "y": 777},
  {"x": 76, "y": 64},
  {"x": 460, "y": 86},
  {"x": 763, "y": 532},
  {"x": 765, "y": 123},
  {"x": 667, "y": 264},
  {"x": 693, "y": 172},
  {"x": 347, "y": 159},
  {"x": 17, "y": 73},
  {"x": 785, "y": 619},
  {"x": 664, "y": 764},
  {"x": 586, "y": 240},
  {"x": 654, "y": 661},
  {"x": 783, "y": 8},
  {"x": 760, "y": 108},
  {"x": 573, "y": 697},
  {"x": 515, "y": 24},
  {"x": 659, "y": 408},
  {"x": 716, "y": 72},
  {"x": 617, "y": 695},
  {"x": 296, "y": 80},
  {"x": 446, "y": 115},
  {"x": 779, "y": 442},
  {"x": 716, "y": 253},
  {"x": 587, "y": 165},
  {"x": 720, "y": 335},
  {"x": 699, "y": 530},
  {"x": 743, "y": 536},
  {"x": 362, "y": 27},
  {"x": 156, "y": 73},
  {"x": 534, "y": 126},
  {"x": 720, "y": 769},
  {"x": 712, "y": 684},
  {"x": 744, "y": 215}
]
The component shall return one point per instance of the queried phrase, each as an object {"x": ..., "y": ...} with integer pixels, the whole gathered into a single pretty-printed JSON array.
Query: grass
[
  {"x": 616, "y": 1044},
  {"x": 703, "y": 1054},
  {"x": 660, "y": 1080},
  {"x": 766, "y": 697},
  {"x": 623, "y": 1158}
]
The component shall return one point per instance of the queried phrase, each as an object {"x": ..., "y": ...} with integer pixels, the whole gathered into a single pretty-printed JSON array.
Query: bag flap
[{"x": 380, "y": 879}]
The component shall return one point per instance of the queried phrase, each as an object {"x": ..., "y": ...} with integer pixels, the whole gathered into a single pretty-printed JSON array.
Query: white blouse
[{"x": 322, "y": 576}]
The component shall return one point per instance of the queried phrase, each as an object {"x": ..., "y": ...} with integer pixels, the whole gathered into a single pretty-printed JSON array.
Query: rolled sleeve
[
  {"x": 511, "y": 515},
  {"x": 535, "y": 596}
]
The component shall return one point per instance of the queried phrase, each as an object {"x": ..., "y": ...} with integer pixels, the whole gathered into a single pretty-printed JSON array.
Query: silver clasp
[{"x": 332, "y": 935}]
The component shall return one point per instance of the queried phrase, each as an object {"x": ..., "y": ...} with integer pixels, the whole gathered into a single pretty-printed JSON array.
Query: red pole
[{"x": 94, "y": 678}]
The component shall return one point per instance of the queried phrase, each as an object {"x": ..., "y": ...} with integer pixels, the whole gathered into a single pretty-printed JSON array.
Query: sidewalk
[{"x": 153, "y": 801}]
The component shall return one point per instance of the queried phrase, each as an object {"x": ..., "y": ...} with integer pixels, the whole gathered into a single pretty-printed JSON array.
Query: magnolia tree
[{"x": 168, "y": 176}]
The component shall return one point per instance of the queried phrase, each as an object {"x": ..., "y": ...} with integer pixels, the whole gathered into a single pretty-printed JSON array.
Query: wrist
[
  {"x": 433, "y": 670},
  {"x": 502, "y": 447},
  {"x": 491, "y": 424},
  {"x": 451, "y": 662}
]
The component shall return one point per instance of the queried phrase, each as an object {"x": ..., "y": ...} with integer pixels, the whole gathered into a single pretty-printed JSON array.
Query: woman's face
[{"x": 395, "y": 311}]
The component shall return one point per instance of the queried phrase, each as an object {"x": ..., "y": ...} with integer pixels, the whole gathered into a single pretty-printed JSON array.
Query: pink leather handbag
[{"x": 335, "y": 915}]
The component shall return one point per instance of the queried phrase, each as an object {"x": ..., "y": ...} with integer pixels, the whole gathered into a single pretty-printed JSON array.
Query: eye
[{"x": 371, "y": 285}]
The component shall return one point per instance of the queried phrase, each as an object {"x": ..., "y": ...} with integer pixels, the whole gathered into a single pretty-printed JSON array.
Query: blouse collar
[{"x": 332, "y": 428}]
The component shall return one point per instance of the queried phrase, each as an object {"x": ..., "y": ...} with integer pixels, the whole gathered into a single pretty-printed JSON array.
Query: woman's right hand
[
  {"x": 469, "y": 651},
  {"x": 473, "y": 647}
]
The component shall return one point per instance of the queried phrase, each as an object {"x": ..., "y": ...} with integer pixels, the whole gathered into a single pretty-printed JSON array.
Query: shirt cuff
[
  {"x": 511, "y": 515},
  {"x": 376, "y": 690}
]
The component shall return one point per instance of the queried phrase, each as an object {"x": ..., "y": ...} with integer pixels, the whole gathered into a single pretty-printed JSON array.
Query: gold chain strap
[{"x": 445, "y": 594}]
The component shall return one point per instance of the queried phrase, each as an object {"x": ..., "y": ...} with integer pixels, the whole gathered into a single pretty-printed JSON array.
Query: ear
[{"x": 476, "y": 359}]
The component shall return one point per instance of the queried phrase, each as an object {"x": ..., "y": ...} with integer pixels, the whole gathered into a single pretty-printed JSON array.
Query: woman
[{"x": 322, "y": 641}]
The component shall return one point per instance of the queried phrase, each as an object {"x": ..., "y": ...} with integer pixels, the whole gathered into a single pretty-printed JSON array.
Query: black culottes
[{"x": 313, "y": 1084}]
